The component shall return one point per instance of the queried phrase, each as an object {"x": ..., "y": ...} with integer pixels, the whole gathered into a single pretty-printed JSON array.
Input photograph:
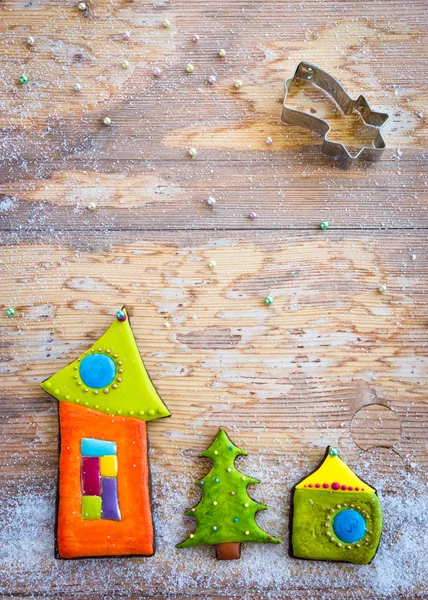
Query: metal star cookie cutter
[{"x": 337, "y": 150}]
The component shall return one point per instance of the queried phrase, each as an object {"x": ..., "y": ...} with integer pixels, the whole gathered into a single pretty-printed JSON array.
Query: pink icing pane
[
  {"x": 335, "y": 485},
  {"x": 90, "y": 476}
]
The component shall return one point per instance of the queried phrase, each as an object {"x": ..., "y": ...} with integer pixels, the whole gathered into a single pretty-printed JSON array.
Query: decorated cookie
[
  {"x": 336, "y": 515},
  {"x": 105, "y": 398},
  {"x": 225, "y": 516}
]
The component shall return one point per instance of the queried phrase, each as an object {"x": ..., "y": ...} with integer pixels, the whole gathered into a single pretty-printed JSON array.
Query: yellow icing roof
[
  {"x": 130, "y": 391},
  {"x": 333, "y": 474}
]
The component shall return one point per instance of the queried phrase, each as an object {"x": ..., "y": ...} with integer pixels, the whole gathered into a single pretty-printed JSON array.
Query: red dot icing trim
[
  {"x": 335, "y": 485},
  {"x": 325, "y": 485}
]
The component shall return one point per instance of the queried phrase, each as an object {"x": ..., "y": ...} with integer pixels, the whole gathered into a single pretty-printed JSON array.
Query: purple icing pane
[
  {"x": 91, "y": 476},
  {"x": 110, "y": 499}
]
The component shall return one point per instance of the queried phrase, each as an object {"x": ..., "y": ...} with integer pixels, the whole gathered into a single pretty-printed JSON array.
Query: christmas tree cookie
[
  {"x": 225, "y": 516},
  {"x": 105, "y": 398},
  {"x": 336, "y": 516}
]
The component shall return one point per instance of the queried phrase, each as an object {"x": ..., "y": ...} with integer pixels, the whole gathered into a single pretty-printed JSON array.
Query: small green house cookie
[
  {"x": 336, "y": 516},
  {"x": 225, "y": 516}
]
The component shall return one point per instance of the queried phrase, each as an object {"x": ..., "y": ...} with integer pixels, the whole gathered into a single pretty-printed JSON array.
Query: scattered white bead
[
  {"x": 92, "y": 206},
  {"x": 212, "y": 264},
  {"x": 126, "y": 36},
  {"x": 211, "y": 201},
  {"x": 222, "y": 52},
  {"x": 382, "y": 289},
  {"x": 157, "y": 72},
  {"x": 30, "y": 40},
  {"x": 107, "y": 121},
  {"x": 166, "y": 24},
  {"x": 167, "y": 324},
  {"x": 212, "y": 79},
  {"x": 77, "y": 87},
  {"x": 195, "y": 38},
  {"x": 269, "y": 141},
  {"x": 125, "y": 64},
  {"x": 189, "y": 68},
  {"x": 193, "y": 152},
  {"x": 238, "y": 84},
  {"x": 81, "y": 6}
]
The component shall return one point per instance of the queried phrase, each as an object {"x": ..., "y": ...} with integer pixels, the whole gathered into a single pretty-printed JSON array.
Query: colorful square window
[
  {"x": 98, "y": 480},
  {"x": 91, "y": 508},
  {"x": 108, "y": 466}
]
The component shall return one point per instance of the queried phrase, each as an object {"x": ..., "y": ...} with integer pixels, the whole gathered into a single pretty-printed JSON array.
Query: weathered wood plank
[
  {"x": 330, "y": 337},
  {"x": 173, "y": 196},
  {"x": 139, "y": 165}
]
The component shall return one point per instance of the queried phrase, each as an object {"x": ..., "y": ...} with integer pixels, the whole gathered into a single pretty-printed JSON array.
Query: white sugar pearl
[
  {"x": 222, "y": 53},
  {"x": 212, "y": 79},
  {"x": 238, "y": 84},
  {"x": 125, "y": 64},
  {"x": 157, "y": 72},
  {"x": 193, "y": 152},
  {"x": 107, "y": 121},
  {"x": 166, "y": 24},
  {"x": 189, "y": 68},
  {"x": 211, "y": 201},
  {"x": 92, "y": 206},
  {"x": 30, "y": 40},
  {"x": 77, "y": 87}
]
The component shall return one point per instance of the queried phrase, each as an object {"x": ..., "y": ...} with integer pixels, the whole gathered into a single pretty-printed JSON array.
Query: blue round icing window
[
  {"x": 97, "y": 370},
  {"x": 349, "y": 526}
]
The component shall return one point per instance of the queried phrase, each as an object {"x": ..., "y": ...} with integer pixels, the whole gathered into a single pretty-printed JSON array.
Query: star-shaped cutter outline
[{"x": 337, "y": 150}]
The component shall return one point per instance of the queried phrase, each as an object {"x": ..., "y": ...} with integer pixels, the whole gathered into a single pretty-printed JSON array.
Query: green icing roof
[
  {"x": 225, "y": 513},
  {"x": 129, "y": 393}
]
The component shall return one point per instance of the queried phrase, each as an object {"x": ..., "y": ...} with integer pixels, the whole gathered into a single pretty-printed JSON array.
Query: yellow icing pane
[
  {"x": 334, "y": 471},
  {"x": 108, "y": 466},
  {"x": 129, "y": 393}
]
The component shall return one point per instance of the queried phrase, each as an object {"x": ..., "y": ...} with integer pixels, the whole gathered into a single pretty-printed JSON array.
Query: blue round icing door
[
  {"x": 349, "y": 526},
  {"x": 97, "y": 370}
]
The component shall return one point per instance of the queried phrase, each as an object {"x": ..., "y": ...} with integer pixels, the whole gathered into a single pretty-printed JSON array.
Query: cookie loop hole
[{"x": 375, "y": 426}]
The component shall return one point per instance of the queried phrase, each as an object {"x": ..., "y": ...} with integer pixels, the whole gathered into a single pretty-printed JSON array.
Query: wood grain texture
[{"x": 331, "y": 361}]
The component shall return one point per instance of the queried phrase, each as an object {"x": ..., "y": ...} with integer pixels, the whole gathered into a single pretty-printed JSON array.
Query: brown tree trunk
[{"x": 228, "y": 551}]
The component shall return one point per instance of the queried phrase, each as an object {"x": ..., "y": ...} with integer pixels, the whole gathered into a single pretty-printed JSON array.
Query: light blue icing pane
[
  {"x": 97, "y": 370},
  {"x": 349, "y": 526},
  {"x": 93, "y": 447}
]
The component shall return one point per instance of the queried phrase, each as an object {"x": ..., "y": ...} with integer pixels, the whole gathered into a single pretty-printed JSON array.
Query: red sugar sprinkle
[
  {"x": 325, "y": 485},
  {"x": 335, "y": 485}
]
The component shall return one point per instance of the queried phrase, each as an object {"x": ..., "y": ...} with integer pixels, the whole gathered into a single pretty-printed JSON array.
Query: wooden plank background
[{"x": 332, "y": 361}]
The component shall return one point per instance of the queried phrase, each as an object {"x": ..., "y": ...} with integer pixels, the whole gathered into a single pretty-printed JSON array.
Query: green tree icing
[{"x": 226, "y": 513}]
